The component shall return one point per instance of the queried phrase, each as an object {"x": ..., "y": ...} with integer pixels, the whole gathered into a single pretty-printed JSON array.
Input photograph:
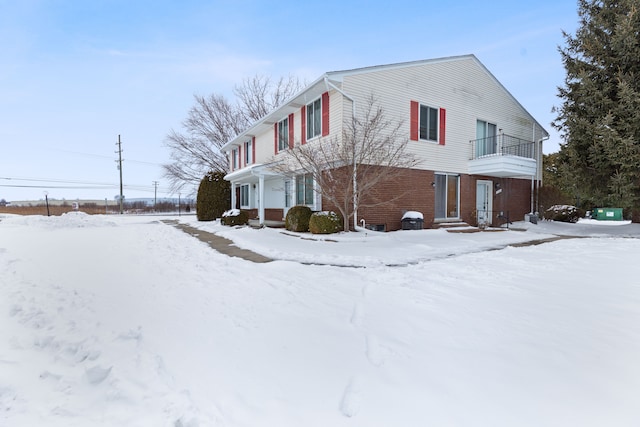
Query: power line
[{"x": 105, "y": 157}]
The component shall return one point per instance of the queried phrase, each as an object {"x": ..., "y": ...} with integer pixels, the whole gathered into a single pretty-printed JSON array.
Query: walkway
[{"x": 220, "y": 244}]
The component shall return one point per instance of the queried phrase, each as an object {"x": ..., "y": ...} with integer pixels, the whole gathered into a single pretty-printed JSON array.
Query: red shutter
[
  {"x": 325, "y": 114},
  {"x": 443, "y": 125},
  {"x": 253, "y": 149},
  {"x": 240, "y": 159},
  {"x": 275, "y": 138},
  {"x": 413, "y": 121},
  {"x": 290, "y": 130},
  {"x": 303, "y": 125}
]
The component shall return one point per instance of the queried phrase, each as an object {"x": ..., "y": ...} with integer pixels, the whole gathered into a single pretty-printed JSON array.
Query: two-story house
[{"x": 479, "y": 150}]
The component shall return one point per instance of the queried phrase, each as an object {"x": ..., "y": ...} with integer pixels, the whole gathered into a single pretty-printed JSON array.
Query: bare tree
[
  {"x": 349, "y": 170},
  {"x": 214, "y": 120}
]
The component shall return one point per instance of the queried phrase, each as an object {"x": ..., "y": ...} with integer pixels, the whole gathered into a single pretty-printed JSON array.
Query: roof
[{"x": 335, "y": 78}]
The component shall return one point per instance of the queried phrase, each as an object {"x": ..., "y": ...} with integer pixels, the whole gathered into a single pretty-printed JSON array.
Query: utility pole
[
  {"x": 155, "y": 194},
  {"x": 119, "y": 152}
]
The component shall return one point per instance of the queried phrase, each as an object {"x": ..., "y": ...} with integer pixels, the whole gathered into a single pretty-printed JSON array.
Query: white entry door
[{"x": 484, "y": 201}]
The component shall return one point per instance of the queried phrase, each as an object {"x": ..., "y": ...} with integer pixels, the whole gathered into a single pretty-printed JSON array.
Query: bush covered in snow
[
  {"x": 214, "y": 196},
  {"x": 325, "y": 222},
  {"x": 297, "y": 218},
  {"x": 563, "y": 213},
  {"x": 234, "y": 217}
]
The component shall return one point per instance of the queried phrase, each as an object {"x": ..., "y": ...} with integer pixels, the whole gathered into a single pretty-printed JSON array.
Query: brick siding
[{"x": 412, "y": 190}]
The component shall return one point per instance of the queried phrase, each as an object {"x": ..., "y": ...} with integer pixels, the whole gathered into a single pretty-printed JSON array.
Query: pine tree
[{"x": 599, "y": 118}]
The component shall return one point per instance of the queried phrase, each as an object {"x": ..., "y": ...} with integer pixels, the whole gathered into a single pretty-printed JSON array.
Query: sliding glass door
[{"x": 447, "y": 196}]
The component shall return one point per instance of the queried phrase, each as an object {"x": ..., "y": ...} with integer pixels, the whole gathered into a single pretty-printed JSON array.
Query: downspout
[
  {"x": 539, "y": 171},
  {"x": 535, "y": 155},
  {"x": 355, "y": 166}
]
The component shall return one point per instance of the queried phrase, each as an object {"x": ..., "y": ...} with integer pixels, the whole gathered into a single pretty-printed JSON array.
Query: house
[{"x": 480, "y": 151}]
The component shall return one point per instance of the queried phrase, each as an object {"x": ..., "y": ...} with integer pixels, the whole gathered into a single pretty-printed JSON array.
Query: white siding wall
[
  {"x": 274, "y": 193},
  {"x": 264, "y": 146},
  {"x": 462, "y": 87}
]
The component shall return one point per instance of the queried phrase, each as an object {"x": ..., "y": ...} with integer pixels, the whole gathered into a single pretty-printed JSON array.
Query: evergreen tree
[
  {"x": 599, "y": 118},
  {"x": 214, "y": 196}
]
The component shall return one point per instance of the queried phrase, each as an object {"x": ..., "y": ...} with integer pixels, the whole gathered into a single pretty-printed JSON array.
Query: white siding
[
  {"x": 264, "y": 146},
  {"x": 274, "y": 193},
  {"x": 462, "y": 87}
]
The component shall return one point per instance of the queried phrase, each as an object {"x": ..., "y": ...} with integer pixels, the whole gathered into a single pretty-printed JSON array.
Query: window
[
  {"x": 428, "y": 123},
  {"x": 314, "y": 119},
  {"x": 248, "y": 153},
  {"x": 244, "y": 195},
  {"x": 283, "y": 134},
  {"x": 235, "y": 159},
  {"x": 304, "y": 189},
  {"x": 287, "y": 194},
  {"x": 447, "y": 196}
]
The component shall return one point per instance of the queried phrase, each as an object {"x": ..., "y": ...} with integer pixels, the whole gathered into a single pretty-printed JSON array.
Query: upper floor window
[
  {"x": 248, "y": 153},
  {"x": 283, "y": 134},
  {"x": 428, "y": 123},
  {"x": 235, "y": 159},
  {"x": 314, "y": 119}
]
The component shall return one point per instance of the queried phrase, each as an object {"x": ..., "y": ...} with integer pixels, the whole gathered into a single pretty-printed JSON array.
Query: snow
[
  {"x": 126, "y": 320},
  {"x": 412, "y": 215}
]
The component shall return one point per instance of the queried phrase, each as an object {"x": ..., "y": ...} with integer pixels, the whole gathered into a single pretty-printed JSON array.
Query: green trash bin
[{"x": 608, "y": 214}]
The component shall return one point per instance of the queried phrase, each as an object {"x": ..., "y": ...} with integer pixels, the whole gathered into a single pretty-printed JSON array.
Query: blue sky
[{"x": 76, "y": 74}]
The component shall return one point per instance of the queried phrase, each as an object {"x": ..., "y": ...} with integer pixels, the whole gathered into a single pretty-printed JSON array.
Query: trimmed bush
[
  {"x": 297, "y": 218},
  {"x": 234, "y": 217},
  {"x": 214, "y": 196},
  {"x": 325, "y": 222},
  {"x": 563, "y": 213}
]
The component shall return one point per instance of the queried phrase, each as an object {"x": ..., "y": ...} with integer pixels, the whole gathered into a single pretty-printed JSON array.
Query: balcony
[{"x": 502, "y": 156}]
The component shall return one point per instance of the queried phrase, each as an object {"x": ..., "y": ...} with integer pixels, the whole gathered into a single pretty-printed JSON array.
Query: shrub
[
  {"x": 297, "y": 218},
  {"x": 325, "y": 223},
  {"x": 234, "y": 217},
  {"x": 563, "y": 213},
  {"x": 214, "y": 196}
]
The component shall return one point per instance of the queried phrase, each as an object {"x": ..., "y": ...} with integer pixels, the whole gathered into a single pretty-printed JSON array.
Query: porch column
[
  {"x": 233, "y": 195},
  {"x": 261, "y": 201}
]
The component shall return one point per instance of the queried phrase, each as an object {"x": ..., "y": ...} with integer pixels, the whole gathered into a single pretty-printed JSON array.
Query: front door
[{"x": 484, "y": 201}]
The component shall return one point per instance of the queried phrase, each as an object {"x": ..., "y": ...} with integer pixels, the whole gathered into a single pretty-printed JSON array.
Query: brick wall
[{"x": 412, "y": 190}]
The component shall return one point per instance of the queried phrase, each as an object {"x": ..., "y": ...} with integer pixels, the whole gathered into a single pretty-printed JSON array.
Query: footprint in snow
[
  {"x": 96, "y": 374},
  {"x": 358, "y": 315},
  {"x": 351, "y": 399},
  {"x": 374, "y": 351}
]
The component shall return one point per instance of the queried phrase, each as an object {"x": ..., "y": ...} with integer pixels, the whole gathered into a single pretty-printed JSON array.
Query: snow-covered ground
[{"x": 128, "y": 321}]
